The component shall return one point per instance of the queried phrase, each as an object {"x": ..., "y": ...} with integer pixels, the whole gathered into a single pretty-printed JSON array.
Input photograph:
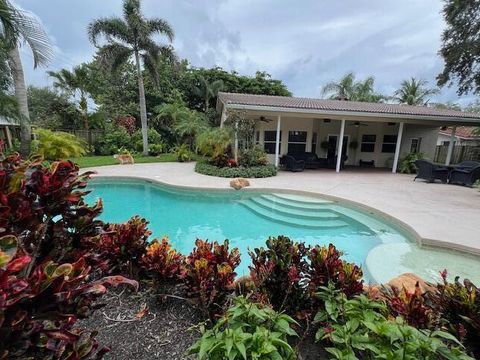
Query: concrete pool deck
[{"x": 441, "y": 215}]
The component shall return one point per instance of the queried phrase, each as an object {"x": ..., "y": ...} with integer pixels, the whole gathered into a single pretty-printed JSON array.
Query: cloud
[{"x": 305, "y": 43}]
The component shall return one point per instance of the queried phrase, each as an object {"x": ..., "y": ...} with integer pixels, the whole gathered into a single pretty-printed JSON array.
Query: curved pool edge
[{"x": 403, "y": 226}]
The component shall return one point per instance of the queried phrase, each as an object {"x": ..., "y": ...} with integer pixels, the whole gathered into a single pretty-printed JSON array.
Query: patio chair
[
  {"x": 289, "y": 163},
  {"x": 430, "y": 171},
  {"x": 465, "y": 176},
  {"x": 468, "y": 164}
]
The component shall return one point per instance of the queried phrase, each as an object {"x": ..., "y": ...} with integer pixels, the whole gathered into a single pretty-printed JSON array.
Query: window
[
  {"x": 314, "y": 143},
  {"x": 269, "y": 141},
  {"x": 415, "y": 145},
  {"x": 297, "y": 141},
  {"x": 368, "y": 143},
  {"x": 257, "y": 137},
  {"x": 389, "y": 143}
]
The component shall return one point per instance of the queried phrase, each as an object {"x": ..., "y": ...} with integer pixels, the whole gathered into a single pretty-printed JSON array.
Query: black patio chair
[
  {"x": 289, "y": 163},
  {"x": 465, "y": 176},
  {"x": 430, "y": 171},
  {"x": 468, "y": 164}
]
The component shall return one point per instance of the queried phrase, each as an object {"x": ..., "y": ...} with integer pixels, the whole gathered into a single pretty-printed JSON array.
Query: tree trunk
[
  {"x": 143, "y": 106},
  {"x": 22, "y": 99},
  {"x": 86, "y": 126},
  {"x": 206, "y": 104}
]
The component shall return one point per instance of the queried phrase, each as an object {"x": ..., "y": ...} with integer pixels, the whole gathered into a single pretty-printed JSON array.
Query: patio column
[
  {"x": 277, "y": 141},
  {"x": 397, "y": 148},
  {"x": 451, "y": 144},
  {"x": 8, "y": 135},
  {"x": 340, "y": 146},
  {"x": 235, "y": 153},
  {"x": 223, "y": 117}
]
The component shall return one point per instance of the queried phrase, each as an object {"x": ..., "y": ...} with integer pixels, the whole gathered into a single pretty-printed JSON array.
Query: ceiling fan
[
  {"x": 357, "y": 124},
  {"x": 264, "y": 119}
]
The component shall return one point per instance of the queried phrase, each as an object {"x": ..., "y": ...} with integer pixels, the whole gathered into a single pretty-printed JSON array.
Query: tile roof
[
  {"x": 464, "y": 132},
  {"x": 341, "y": 105}
]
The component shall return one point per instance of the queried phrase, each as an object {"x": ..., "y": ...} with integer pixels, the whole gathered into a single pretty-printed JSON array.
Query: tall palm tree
[
  {"x": 132, "y": 37},
  {"x": 18, "y": 26},
  {"x": 208, "y": 90},
  {"x": 348, "y": 88},
  {"x": 73, "y": 82},
  {"x": 414, "y": 92}
]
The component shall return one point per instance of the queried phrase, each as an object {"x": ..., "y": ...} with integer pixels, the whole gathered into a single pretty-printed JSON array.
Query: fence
[
  {"x": 460, "y": 153},
  {"x": 91, "y": 137}
]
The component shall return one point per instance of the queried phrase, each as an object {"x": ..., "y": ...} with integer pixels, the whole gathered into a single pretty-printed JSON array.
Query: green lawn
[{"x": 88, "y": 161}]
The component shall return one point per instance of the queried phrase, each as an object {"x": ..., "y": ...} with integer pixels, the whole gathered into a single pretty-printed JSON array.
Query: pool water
[{"x": 248, "y": 218}]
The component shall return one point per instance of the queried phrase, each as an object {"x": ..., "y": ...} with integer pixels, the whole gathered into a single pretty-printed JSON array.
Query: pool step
[
  {"x": 286, "y": 218},
  {"x": 298, "y": 205},
  {"x": 297, "y": 212},
  {"x": 301, "y": 199}
]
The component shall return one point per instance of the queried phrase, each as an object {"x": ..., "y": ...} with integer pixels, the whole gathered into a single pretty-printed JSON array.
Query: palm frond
[
  {"x": 150, "y": 63},
  {"x": 112, "y": 28},
  {"x": 114, "y": 55},
  {"x": 160, "y": 26}
]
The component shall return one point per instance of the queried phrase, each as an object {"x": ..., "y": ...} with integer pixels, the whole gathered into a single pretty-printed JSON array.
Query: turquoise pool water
[{"x": 248, "y": 218}]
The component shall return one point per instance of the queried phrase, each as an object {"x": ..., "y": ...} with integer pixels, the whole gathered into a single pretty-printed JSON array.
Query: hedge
[{"x": 240, "y": 171}]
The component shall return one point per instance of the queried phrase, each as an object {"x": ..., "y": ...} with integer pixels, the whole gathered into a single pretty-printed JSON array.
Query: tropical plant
[
  {"x": 208, "y": 274},
  {"x": 254, "y": 156},
  {"x": 115, "y": 138},
  {"x": 132, "y": 36},
  {"x": 73, "y": 82},
  {"x": 327, "y": 267},
  {"x": 460, "y": 41},
  {"x": 19, "y": 26},
  {"x": 407, "y": 164},
  {"x": 278, "y": 272},
  {"x": 207, "y": 90},
  {"x": 137, "y": 139},
  {"x": 38, "y": 311},
  {"x": 190, "y": 126},
  {"x": 58, "y": 145},
  {"x": 358, "y": 329},
  {"x": 182, "y": 153},
  {"x": 348, "y": 88},
  {"x": 414, "y": 92},
  {"x": 169, "y": 114},
  {"x": 214, "y": 142},
  {"x": 157, "y": 149},
  {"x": 127, "y": 122},
  {"x": 233, "y": 171},
  {"x": 119, "y": 248},
  {"x": 161, "y": 261},
  {"x": 247, "y": 331}
]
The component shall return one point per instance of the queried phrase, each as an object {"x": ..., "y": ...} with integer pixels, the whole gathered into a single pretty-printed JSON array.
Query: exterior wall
[{"x": 428, "y": 134}]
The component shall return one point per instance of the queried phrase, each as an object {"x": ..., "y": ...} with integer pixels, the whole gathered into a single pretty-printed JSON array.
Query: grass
[{"x": 90, "y": 161}]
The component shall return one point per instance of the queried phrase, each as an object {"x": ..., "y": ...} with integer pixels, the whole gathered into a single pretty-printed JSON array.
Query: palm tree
[
  {"x": 189, "y": 127},
  {"x": 414, "y": 92},
  {"x": 19, "y": 26},
  {"x": 73, "y": 82},
  {"x": 207, "y": 90},
  {"x": 348, "y": 88},
  {"x": 132, "y": 36}
]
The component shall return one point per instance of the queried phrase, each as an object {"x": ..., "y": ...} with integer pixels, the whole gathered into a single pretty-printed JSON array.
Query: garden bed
[{"x": 233, "y": 172}]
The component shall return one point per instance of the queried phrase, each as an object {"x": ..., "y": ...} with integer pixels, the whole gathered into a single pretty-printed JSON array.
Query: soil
[{"x": 144, "y": 326}]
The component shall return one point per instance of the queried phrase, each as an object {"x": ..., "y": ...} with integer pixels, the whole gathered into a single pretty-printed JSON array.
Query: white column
[
  {"x": 340, "y": 145},
  {"x": 450, "y": 146},
  {"x": 277, "y": 142},
  {"x": 9, "y": 137},
  {"x": 224, "y": 116},
  {"x": 235, "y": 153},
  {"x": 397, "y": 148}
]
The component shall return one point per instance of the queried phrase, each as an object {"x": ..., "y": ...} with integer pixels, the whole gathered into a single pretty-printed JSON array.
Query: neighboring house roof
[
  {"x": 4, "y": 121},
  {"x": 302, "y": 104},
  {"x": 463, "y": 132}
]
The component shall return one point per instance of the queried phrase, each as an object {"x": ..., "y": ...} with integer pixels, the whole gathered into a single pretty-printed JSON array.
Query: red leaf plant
[
  {"x": 208, "y": 274},
  {"x": 162, "y": 261},
  {"x": 128, "y": 122},
  {"x": 38, "y": 312}
]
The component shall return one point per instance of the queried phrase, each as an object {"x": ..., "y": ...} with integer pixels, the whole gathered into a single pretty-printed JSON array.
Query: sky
[{"x": 305, "y": 43}]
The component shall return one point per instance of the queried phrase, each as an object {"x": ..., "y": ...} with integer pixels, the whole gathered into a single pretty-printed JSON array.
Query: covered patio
[{"x": 374, "y": 134}]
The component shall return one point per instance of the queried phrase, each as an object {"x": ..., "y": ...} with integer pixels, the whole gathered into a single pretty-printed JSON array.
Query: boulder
[
  {"x": 409, "y": 280},
  {"x": 239, "y": 183}
]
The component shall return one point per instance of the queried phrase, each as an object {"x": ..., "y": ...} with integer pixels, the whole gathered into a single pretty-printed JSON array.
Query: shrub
[
  {"x": 407, "y": 165},
  {"x": 156, "y": 149},
  {"x": 278, "y": 274},
  {"x": 120, "y": 247},
  {"x": 182, "y": 153},
  {"x": 214, "y": 142},
  {"x": 254, "y": 156},
  {"x": 163, "y": 262},
  {"x": 232, "y": 172},
  {"x": 458, "y": 306},
  {"x": 153, "y": 138},
  {"x": 357, "y": 329},
  {"x": 209, "y": 272},
  {"x": 326, "y": 267},
  {"x": 128, "y": 122},
  {"x": 247, "y": 331},
  {"x": 114, "y": 140},
  {"x": 57, "y": 145},
  {"x": 38, "y": 311}
]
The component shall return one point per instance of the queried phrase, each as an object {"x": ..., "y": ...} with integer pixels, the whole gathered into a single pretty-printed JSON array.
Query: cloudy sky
[{"x": 305, "y": 43}]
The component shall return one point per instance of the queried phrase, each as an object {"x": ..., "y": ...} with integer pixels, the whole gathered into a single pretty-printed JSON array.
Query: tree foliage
[
  {"x": 348, "y": 88},
  {"x": 414, "y": 92},
  {"x": 461, "y": 46}
]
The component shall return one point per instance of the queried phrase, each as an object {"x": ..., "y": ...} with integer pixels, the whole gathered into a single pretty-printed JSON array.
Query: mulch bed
[{"x": 146, "y": 326}]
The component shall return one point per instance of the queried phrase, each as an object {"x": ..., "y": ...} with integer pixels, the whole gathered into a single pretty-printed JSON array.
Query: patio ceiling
[{"x": 339, "y": 110}]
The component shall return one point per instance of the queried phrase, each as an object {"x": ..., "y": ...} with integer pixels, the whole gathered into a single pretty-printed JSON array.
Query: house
[
  {"x": 380, "y": 132},
  {"x": 464, "y": 135}
]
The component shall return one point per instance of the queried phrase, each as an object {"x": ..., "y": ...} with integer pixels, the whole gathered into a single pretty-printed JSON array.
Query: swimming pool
[{"x": 248, "y": 218}]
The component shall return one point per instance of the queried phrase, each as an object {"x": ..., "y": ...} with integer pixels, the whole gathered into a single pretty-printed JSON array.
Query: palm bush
[
  {"x": 407, "y": 165},
  {"x": 56, "y": 145}
]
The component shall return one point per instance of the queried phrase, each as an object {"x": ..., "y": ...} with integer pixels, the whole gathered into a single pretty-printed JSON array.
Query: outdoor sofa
[
  {"x": 430, "y": 172},
  {"x": 463, "y": 174},
  {"x": 291, "y": 164},
  {"x": 312, "y": 161}
]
